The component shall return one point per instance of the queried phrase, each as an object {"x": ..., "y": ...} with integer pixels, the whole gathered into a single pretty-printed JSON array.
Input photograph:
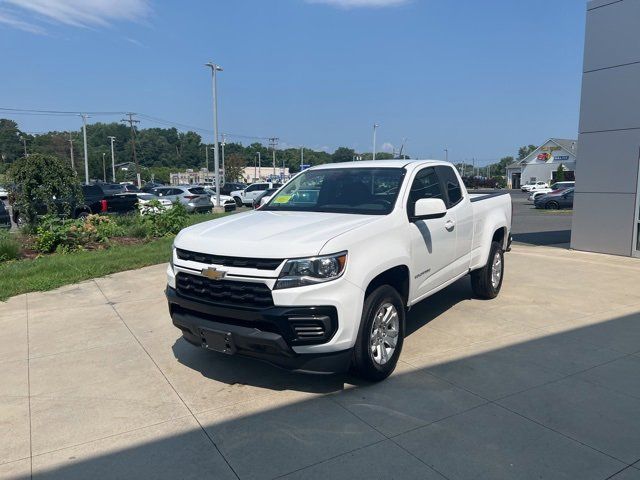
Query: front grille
[
  {"x": 224, "y": 292},
  {"x": 239, "y": 262}
]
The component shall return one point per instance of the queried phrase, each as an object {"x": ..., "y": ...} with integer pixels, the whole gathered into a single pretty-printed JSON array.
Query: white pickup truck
[{"x": 320, "y": 278}]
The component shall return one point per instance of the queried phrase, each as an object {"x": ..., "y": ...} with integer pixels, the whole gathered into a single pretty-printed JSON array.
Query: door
[
  {"x": 460, "y": 208},
  {"x": 433, "y": 241},
  {"x": 566, "y": 200},
  {"x": 253, "y": 191}
]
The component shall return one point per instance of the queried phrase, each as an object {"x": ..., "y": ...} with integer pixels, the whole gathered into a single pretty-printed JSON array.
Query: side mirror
[{"x": 427, "y": 208}]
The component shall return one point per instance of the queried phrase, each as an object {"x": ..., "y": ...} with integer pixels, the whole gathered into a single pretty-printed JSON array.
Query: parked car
[
  {"x": 247, "y": 196},
  {"x": 562, "y": 185},
  {"x": 149, "y": 186},
  {"x": 229, "y": 187},
  {"x": 323, "y": 285},
  {"x": 4, "y": 193},
  {"x": 529, "y": 187},
  {"x": 556, "y": 200},
  {"x": 226, "y": 201},
  {"x": 195, "y": 199},
  {"x": 145, "y": 199},
  {"x": 5, "y": 219},
  {"x": 130, "y": 188},
  {"x": 538, "y": 193},
  {"x": 96, "y": 200}
]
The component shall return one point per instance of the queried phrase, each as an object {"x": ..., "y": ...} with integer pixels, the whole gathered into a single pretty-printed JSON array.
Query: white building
[
  {"x": 255, "y": 174},
  {"x": 543, "y": 163}
]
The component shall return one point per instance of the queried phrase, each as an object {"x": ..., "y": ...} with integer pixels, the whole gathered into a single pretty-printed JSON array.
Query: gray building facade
[{"x": 606, "y": 215}]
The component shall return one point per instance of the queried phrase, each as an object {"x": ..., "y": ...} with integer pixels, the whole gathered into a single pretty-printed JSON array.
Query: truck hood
[{"x": 269, "y": 234}]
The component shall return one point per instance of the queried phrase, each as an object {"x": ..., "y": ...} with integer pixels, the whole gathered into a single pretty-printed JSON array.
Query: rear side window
[
  {"x": 198, "y": 191},
  {"x": 450, "y": 184},
  {"x": 91, "y": 190},
  {"x": 425, "y": 185}
]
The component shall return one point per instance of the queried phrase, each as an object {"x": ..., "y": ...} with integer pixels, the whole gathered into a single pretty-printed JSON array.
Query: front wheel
[
  {"x": 381, "y": 334},
  {"x": 487, "y": 282},
  {"x": 238, "y": 201},
  {"x": 552, "y": 206}
]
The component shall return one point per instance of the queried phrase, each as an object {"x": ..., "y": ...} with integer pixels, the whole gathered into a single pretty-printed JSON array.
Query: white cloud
[
  {"x": 10, "y": 20},
  {"x": 361, "y": 3},
  {"x": 77, "y": 13},
  {"x": 388, "y": 147}
]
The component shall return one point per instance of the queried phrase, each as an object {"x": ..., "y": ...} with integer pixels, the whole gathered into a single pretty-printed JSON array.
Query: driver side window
[{"x": 425, "y": 185}]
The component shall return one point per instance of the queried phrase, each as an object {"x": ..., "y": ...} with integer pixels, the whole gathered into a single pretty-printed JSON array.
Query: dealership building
[
  {"x": 543, "y": 163},
  {"x": 606, "y": 214}
]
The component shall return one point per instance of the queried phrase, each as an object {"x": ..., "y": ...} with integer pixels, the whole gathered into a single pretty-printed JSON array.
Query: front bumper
[{"x": 266, "y": 334}]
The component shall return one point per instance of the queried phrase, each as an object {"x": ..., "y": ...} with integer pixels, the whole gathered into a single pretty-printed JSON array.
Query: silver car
[{"x": 195, "y": 199}]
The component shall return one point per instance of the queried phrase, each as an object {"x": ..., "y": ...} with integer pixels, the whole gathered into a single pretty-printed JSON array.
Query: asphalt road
[{"x": 538, "y": 227}]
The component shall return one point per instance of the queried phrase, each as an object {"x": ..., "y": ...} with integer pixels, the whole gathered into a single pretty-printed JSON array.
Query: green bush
[
  {"x": 54, "y": 234},
  {"x": 166, "y": 222},
  {"x": 9, "y": 247},
  {"x": 43, "y": 184}
]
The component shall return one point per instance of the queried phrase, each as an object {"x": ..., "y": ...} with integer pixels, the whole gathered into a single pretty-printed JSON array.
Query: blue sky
[{"x": 479, "y": 77}]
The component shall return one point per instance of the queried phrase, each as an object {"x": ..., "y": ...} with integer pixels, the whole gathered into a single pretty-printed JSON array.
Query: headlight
[{"x": 310, "y": 271}]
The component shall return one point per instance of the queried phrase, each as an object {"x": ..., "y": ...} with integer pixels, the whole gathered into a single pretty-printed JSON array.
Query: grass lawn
[{"x": 52, "y": 271}]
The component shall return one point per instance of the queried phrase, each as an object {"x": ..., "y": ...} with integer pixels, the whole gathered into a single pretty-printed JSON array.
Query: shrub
[
  {"x": 54, "y": 234},
  {"x": 9, "y": 247},
  {"x": 167, "y": 222},
  {"x": 43, "y": 184}
]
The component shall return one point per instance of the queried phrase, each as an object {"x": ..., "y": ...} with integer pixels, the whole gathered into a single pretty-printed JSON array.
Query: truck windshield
[{"x": 364, "y": 191}]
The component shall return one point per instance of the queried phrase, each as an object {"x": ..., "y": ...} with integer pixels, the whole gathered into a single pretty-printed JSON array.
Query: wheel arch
[{"x": 396, "y": 277}]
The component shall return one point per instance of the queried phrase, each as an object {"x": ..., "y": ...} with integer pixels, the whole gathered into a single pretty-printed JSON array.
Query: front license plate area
[{"x": 218, "y": 341}]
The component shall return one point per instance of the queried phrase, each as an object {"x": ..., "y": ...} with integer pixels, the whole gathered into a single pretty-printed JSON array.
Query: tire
[
  {"x": 238, "y": 201},
  {"x": 368, "y": 361},
  {"x": 483, "y": 283},
  {"x": 552, "y": 206}
]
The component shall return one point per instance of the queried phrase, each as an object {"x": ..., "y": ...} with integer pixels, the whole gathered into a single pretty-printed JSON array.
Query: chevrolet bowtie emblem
[{"x": 213, "y": 273}]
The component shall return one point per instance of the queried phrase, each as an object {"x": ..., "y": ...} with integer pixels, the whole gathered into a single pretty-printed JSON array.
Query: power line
[{"x": 54, "y": 112}]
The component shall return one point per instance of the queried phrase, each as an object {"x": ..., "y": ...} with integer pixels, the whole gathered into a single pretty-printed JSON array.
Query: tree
[
  {"x": 234, "y": 166},
  {"x": 560, "y": 173},
  {"x": 525, "y": 151},
  {"x": 10, "y": 145},
  {"x": 343, "y": 154},
  {"x": 44, "y": 184}
]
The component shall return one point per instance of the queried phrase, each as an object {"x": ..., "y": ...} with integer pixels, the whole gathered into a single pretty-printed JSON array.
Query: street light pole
[
  {"x": 104, "y": 168},
  {"x": 73, "y": 167},
  {"x": 375, "y": 128},
  {"x": 301, "y": 157},
  {"x": 86, "y": 152},
  {"x": 259, "y": 166},
  {"x": 216, "y": 161},
  {"x": 446, "y": 154},
  {"x": 224, "y": 171},
  {"x": 113, "y": 159}
]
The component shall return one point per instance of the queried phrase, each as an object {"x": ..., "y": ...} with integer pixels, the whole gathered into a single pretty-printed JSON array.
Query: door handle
[{"x": 450, "y": 225}]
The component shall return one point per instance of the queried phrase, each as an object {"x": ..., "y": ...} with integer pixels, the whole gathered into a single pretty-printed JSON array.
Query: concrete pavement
[{"x": 543, "y": 382}]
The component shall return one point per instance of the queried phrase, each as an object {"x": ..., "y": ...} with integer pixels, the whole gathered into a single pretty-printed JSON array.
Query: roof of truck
[{"x": 375, "y": 164}]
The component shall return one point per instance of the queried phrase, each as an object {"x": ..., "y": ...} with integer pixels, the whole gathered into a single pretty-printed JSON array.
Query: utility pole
[
  {"x": 131, "y": 123},
  {"x": 24, "y": 143},
  {"x": 73, "y": 167},
  {"x": 301, "y": 157},
  {"x": 273, "y": 143},
  {"x": 113, "y": 159},
  {"x": 214, "y": 90},
  {"x": 104, "y": 168},
  {"x": 375, "y": 128},
  {"x": 446, "y": 154},
  {"x": 255, "y": 167},
  {"x": 224, "y": 171},
  {"x": 86, "y": 153},
  {"x": 259, "y": 166}
]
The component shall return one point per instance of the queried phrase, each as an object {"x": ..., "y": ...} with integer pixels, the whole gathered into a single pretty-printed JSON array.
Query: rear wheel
[
  {"x": 238, "y": 201},
  {"x": 381, "y": 334},
  {"x": 487, "y": 282},
  {"x": 552, "y": 206}
]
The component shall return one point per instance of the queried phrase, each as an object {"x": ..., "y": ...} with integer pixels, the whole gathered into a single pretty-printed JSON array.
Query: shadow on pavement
[{"x": 559, "y": 405}]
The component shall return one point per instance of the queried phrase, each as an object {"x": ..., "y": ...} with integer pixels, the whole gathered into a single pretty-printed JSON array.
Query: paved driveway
[{"x": 543, "y": 382}]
